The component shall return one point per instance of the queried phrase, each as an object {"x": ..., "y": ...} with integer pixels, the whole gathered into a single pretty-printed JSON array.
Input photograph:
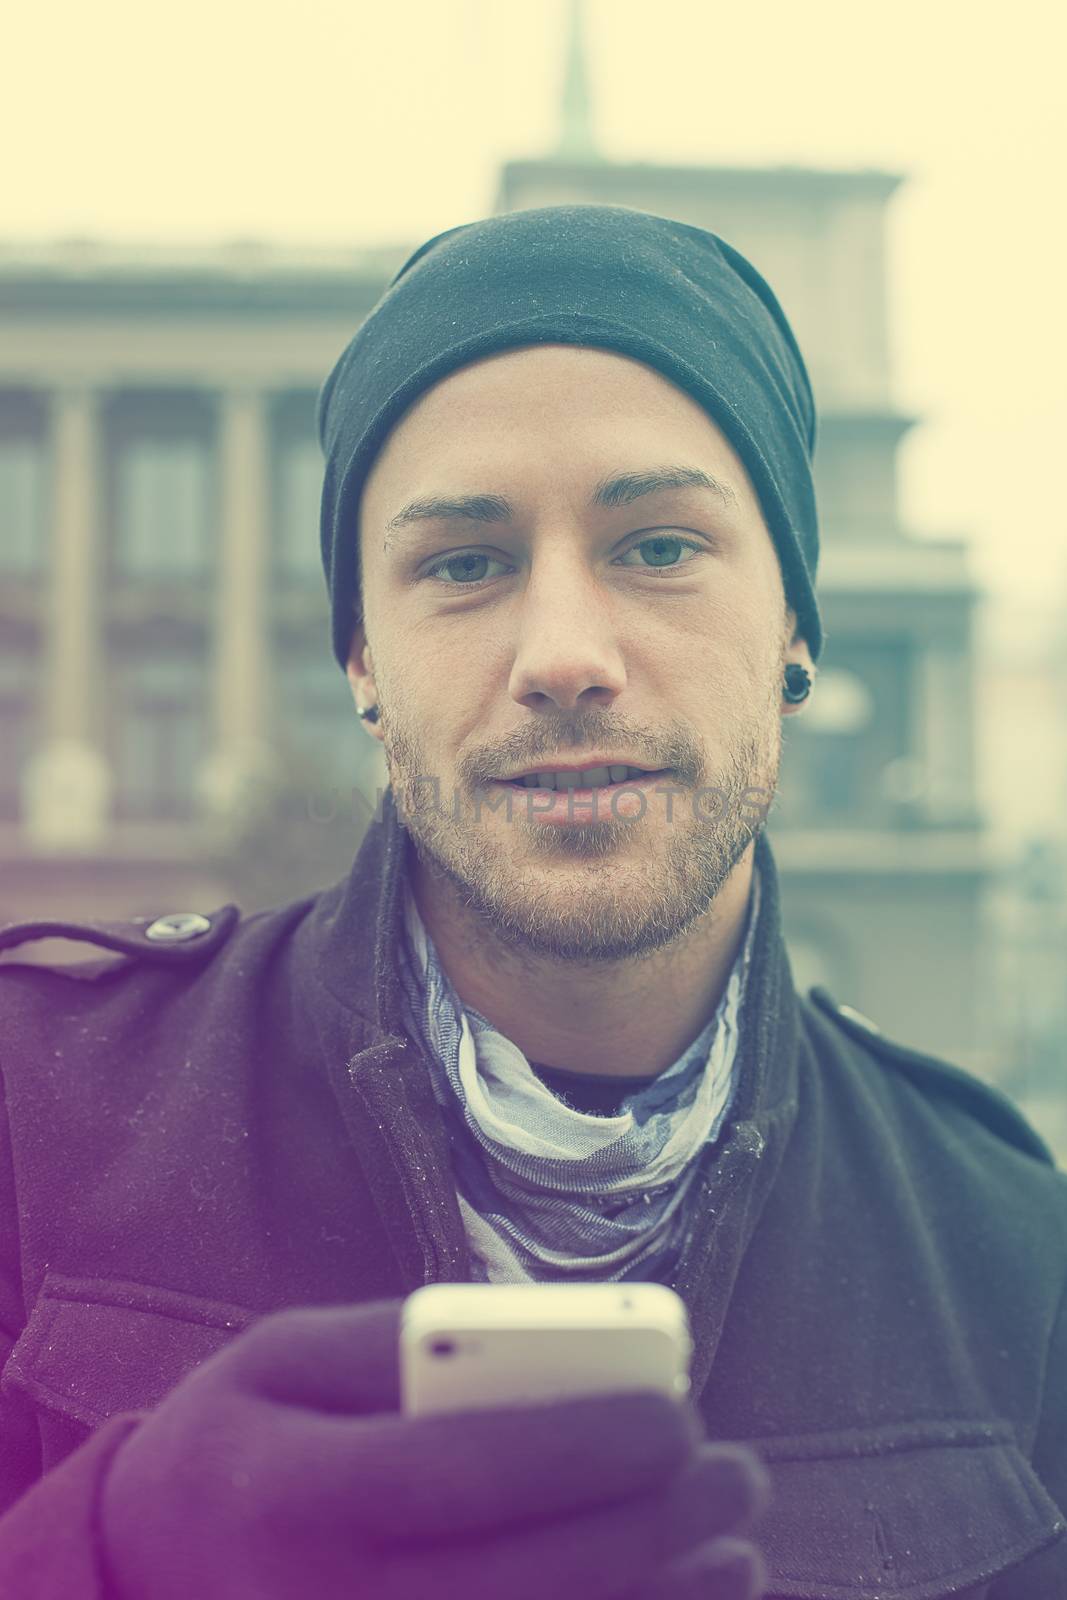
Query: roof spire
[{"x": 576, "y": 128}]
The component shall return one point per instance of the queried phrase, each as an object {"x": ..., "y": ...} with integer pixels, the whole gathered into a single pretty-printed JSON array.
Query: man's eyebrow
[{"x": 618, "y": 490}]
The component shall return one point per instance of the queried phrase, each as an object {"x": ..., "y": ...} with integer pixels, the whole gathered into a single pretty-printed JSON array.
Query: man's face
[{"x": 654, "y": 628}]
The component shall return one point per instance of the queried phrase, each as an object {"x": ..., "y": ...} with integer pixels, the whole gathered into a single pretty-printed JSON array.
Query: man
[{"x": 568, "y": 526}]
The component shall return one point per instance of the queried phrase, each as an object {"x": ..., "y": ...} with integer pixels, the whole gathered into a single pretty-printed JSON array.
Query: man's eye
[
  {"x": 465, "y": 569},
  {"x": 466, "y": 562},
  {"x": 664, "y": 546}
]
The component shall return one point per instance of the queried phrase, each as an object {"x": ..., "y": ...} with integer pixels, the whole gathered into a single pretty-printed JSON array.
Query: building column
[
  {"x": 241, "y": 762},
  {"x": 67, "y": 784},
  {"x": 946, "y": 731}
]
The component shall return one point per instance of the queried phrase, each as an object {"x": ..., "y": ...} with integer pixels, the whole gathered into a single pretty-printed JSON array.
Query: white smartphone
[{"x": 465, "y": 1346}]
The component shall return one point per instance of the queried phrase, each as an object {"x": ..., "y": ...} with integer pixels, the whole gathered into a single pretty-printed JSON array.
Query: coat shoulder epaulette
[
  {"x": 936, "y": 1077},
  {"x": 176, "y": 939}
]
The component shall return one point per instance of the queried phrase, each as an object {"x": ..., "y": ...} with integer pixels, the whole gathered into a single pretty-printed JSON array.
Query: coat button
[
  {"x": 859, "y": 1019},
  {"x": 178, "y": 925}
]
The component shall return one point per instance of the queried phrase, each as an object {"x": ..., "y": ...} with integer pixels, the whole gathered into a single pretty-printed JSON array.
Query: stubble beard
[{"x": 599, "y": 892}]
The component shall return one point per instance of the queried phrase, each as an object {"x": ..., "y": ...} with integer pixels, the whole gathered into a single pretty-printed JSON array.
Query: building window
[
  {"x": 16, "y": 729},
  {"x": 22, "y": 529},
  {"x": 15, "y": 743},
  {"x": 844, "y": 704},
  {"x": 319, "y": 735},
  {"x": 299, "y": 494},
  {"x": 836, "y": 752},
  {"x": 161, "y": 740},
  {"x": 163, "y": 512}
]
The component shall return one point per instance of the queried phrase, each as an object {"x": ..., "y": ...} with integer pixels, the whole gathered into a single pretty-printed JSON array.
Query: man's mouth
[{"x": 587, "y": 779}]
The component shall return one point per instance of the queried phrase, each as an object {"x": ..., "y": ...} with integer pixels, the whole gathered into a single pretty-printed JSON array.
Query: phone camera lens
[{"x": 442, "y": 1347}]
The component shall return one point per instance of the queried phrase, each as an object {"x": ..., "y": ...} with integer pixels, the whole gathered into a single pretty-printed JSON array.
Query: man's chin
[{"x": 559, "y": 933}]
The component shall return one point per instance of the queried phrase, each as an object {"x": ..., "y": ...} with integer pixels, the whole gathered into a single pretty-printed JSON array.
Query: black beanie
[{"x": 674, "y": 296}]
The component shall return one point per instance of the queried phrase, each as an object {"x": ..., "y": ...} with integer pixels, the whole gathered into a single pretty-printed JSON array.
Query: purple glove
[{"x": 281, "y": 1469}]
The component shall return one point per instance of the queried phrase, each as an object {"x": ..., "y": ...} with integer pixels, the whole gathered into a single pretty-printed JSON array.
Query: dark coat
[{"x": 202, "y": 1131}]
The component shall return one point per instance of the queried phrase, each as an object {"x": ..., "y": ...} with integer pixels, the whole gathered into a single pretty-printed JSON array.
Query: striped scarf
[{"x": 549, "y": 1193}]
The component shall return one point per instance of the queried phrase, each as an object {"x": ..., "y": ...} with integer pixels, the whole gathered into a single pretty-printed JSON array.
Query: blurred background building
[{"x": 175, "y": 732}]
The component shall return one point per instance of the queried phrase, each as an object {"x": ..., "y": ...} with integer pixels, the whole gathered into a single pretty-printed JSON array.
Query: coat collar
[
  {"x": 355, "y": 930},
  {"x": 349, "y": 953}
]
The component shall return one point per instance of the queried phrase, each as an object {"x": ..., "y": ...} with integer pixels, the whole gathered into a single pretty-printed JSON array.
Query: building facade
[{"x": 165, "y": 673}]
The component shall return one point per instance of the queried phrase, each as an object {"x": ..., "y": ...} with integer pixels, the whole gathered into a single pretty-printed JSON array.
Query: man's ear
[
  {"x": 359, "y": 668},
  {"x": 797, "y": 648}
]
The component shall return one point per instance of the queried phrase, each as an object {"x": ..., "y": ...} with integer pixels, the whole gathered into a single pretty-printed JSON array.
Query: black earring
[
  {"x": 797, "y": 683},
  {"x": 367, "y": 713}
]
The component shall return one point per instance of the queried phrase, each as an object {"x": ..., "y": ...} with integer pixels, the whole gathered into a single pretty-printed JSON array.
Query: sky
[{"x": 330, "y": 123}]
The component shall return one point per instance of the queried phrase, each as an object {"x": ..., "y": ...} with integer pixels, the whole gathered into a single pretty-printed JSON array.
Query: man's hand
[{"x": 281, "y": 1468}]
